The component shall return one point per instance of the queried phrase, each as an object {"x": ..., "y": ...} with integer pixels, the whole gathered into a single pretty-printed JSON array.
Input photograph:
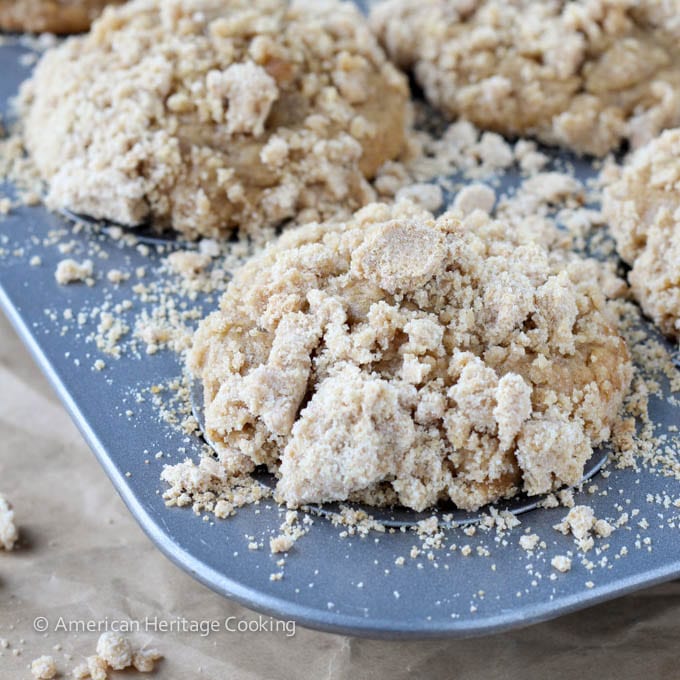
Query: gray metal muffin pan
[{"x": 347, "y": 584}]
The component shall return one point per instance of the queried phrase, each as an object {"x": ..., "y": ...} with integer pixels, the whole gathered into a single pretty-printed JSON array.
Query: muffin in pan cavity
[
  {"x": 586, "y": 75},
  {"x": 399, "y": 359},
  {"x": 51, "y": 16},
  {"x": 641, "y": 203},
  {"x": 207, "y": 116}
]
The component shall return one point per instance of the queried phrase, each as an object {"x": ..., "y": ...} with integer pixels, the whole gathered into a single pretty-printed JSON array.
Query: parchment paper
[{"x": 83, "y": 559}]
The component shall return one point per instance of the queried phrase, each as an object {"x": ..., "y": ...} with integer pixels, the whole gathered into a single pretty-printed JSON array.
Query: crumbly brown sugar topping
[
  {"x": 208, "y": 116},
  {"x": 641, "y": 204},
  {"x": 399, "y": 358},
  {"x": 53, "y": 16},
  {"x": 584, "y": 74}
]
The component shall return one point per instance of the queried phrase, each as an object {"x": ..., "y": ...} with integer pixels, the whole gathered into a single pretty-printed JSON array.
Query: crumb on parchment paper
[
  {"x": 115, "y": 652},
  {"x": 44, "y": 668},
  {"x": 9, "y": 534}
]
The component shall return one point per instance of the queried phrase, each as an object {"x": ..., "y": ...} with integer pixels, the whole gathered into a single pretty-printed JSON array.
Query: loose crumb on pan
[
  {"x": 562, "y": 563},
  {"x": 475, "y": 197},
  {"x": 208, "y": 487},
  {"x": 582, "y": 524},
  {"x": 529, "y": 541},
  {"x": 70, "y": 271},
  {"x": 290, "y": 531}
]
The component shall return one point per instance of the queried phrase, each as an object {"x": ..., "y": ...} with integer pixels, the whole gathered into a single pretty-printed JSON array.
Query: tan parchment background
[{"x": 83, "y": 557}]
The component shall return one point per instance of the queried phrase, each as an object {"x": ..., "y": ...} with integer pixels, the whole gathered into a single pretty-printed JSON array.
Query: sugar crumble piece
[
  {"x": 116, "y": 276},
  {"x": 603, "y": 528},
  {"x": 476, "y": 196},
  {"x": 561, "y": 562},
  {"x": 115, "y": 650},
  {"x": 81, "y": 671},
  {"x": 69, "y": 271},
  {"x": 582, "y": 524},
  {"x": 209, "y": 247},
  {"x": 9, "y": 533},
  {"x": 281, "y": 543},
  {"x": 97, "y": 668},
  {"x": 188, "y": 264},
  {"x": 144, "y": 660},
  {"x": 44, "y": 668},
  {"x": 579, "y": 522},
  {"x": 427, "y": 195},
  {"x": 528, "y": 541}
]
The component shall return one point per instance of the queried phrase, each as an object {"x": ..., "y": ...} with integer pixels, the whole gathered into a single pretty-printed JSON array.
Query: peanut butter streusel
[
  {"x": 584, "y": 74},
  {"x": 211, "y": 115},
  {"x": 642, "y": 205},
  {"x": 399, "y": 358}
]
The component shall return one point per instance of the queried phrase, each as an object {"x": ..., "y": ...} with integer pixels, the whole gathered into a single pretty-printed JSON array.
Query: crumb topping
[
  {"x": 402, "y": 358},
  {"x": 585, "y": 74},
  {"x": 207, "y": 116},
  {"x": 641, "y": 203}
]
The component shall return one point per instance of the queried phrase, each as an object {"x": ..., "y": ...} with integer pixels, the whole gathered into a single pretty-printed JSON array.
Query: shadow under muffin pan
[
  {"x": 350, "y": 584},
  {"x": 448, "y": 515}
]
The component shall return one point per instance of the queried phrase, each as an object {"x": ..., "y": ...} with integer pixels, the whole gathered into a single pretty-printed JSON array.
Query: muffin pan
[{"x": 347, "y": 584}]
